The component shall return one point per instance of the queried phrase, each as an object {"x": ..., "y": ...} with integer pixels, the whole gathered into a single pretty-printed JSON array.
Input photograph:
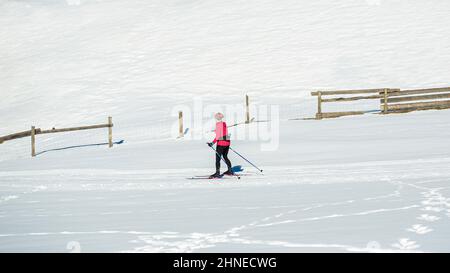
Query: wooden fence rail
[
  {"x": 37, "y": 131},
  {"x": 17, "y": 135},
  {"x": 415, "y": 100},
  {"x": 426, "y": 99}
]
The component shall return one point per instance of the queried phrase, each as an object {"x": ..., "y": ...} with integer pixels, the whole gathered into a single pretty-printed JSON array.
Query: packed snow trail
[{"x": 379, "y": 206}]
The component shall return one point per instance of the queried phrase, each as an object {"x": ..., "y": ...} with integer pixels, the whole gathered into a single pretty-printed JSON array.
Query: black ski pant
[{"x": 222, "y": 151}]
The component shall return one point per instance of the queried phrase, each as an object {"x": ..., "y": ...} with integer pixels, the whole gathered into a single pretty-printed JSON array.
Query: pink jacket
[{"x": 221, "y": 134}]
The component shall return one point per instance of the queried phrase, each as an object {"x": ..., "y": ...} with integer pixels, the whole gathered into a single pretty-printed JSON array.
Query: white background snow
[{"x": 358, "y": 184}]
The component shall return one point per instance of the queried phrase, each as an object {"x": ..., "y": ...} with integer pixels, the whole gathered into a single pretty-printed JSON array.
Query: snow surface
[{"x": 368, "y": 183}]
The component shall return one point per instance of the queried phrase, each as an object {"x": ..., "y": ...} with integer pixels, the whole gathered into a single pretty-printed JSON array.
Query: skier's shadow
[{"x": 79, "y": 146}]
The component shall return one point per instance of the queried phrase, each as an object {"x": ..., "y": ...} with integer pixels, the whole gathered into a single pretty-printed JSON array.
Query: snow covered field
[{"x": 355, "y": 184}]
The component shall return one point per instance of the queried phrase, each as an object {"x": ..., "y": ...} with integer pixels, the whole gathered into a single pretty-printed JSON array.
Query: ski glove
[{"x": 210, "y": 144}]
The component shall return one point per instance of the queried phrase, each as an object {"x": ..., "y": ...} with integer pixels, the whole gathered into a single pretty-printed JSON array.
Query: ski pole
[{"x": 246, "y": 160}]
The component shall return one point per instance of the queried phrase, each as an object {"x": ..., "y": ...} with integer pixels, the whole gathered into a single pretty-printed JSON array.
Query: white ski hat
[{"x": 218, "y": 116}]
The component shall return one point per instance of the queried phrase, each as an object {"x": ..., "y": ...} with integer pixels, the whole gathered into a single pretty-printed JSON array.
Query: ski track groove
[{"x": 433, "y": 203}]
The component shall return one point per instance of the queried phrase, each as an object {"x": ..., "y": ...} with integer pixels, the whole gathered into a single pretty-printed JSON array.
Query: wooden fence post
[
  {"x": 180, "y": 124},
  {"x": 110, "y": 139},
  {"x": 33, "y": 141},
  {"x": 247, "y": 110},
  {"x": 385, "y": 107},
  {"x": 319, "y": 105}
]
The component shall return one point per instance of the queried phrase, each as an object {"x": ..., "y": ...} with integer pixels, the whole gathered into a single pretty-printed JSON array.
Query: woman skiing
[{"x": 223, "y": 145}]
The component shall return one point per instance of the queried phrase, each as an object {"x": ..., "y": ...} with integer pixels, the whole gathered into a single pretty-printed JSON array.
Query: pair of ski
[
  {"x": 222, "y": 176},
  {"x": 235, "y": 169}
]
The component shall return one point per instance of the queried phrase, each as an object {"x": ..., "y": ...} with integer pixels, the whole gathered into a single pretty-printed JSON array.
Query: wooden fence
[
  {"x": 37, "y": 131},
  {"x": 391, "y": 100}
]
